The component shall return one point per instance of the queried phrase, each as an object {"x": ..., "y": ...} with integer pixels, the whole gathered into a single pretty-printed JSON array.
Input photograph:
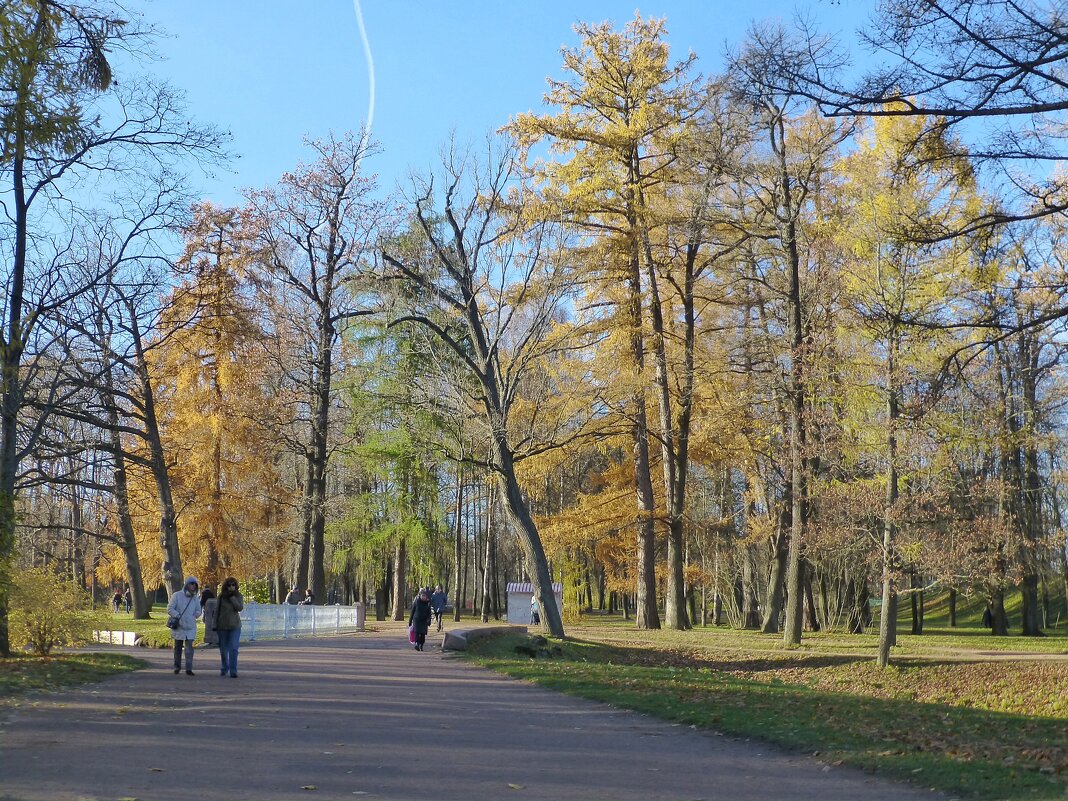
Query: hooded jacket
[{"x": 187, "y": 609}]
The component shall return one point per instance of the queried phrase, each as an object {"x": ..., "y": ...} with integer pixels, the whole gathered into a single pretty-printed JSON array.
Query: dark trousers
[
  {"x": 229, "y": 640},
  {"x": 188, "y": 654}
]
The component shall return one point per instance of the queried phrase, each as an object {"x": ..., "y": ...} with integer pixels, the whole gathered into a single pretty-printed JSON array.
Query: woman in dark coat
[
  {"x": 420, "y": 618},
  {"x": 228, "y": 625}
]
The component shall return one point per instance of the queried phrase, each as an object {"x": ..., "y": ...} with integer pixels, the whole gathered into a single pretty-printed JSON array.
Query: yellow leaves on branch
[{"x": 213, "y": 380}]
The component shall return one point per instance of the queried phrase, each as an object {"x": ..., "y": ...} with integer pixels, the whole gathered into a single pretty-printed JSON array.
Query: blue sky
[{"x": 273, "y": 71}]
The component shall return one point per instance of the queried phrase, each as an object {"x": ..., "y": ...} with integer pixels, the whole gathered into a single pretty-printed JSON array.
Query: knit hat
[{"x": 191, "y": 580}]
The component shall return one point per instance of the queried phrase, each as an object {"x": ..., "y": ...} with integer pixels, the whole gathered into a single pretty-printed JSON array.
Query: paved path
[{"x": 365, "y": 716}]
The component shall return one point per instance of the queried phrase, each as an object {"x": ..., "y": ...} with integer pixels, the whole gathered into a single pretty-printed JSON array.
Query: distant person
[
  {"x": 535, "y": 616},
  {"x": 309, "y": 598},
  {"x": 228, "y": 624},
  {"x": 419, "y": 619},
  {"x": 438, "y": 601},
  {"x": 127, "y": 599},
  {"x": 210, "y": 604},
  {"x": 116, "y": 599},
  {"x": 292, "y": 600},
  {"x": 988, "y": 617},
  {"x": 182, "y": 614}
]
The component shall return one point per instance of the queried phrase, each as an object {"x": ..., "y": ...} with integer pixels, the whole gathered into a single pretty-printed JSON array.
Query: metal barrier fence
[{"x": 282, "y": 621}]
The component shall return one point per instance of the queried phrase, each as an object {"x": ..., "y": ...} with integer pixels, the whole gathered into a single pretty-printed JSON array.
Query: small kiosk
[{"x": 519, "y": 594}]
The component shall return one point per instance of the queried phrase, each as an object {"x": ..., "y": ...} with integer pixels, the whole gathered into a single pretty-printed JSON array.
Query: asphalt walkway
[{"x": 366, "y": 716}]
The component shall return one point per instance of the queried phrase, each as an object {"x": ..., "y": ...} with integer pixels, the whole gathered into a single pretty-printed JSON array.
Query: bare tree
[
  {"x": 785, "y": 180},
  {"x": 488, "y": 288},
  {"x": 311, "y": 235},
  {"x": 67, "y": 124},
  {"x": 993, "y": 71}
]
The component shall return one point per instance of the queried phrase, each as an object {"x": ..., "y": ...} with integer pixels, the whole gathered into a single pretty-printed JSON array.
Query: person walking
[
  {"x": 309, "y": 598},
  {"x": 419, "y": 620},
  {"x": 988, "y": 617},
  {"x": 210, "y": 604},
  {"x": 438, "y": 601},
  {"x": 535, "y": 617},
  {"x": 127, "y": 598},
  {"x": 228, "y": 624},
  {"x": 293, "y": 596},
  {"x": 182, "y": 614},
  {"x": 116, "y": 599}
]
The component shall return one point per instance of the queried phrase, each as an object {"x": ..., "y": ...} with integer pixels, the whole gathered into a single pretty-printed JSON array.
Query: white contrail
[{"x": 370, "y": 70}]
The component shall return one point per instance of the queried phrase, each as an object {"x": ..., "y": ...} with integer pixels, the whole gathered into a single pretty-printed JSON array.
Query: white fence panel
[
  {"x": 116, "y": 637},
  {"x": 282, "y": 621}
]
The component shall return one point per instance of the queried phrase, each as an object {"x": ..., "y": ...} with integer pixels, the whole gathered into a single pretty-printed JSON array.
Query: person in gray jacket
[
  {"x": 182, "y": 614},
  {"x": 210, "y": 604},
  {"x": 228, "y": 624}
]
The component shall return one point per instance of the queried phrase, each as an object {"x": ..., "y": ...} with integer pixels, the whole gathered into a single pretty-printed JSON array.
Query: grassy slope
[
  {"x": 984, "y": 730},
  {"x": 970, "y": 610},
  {"x": 22, "y": 674}
]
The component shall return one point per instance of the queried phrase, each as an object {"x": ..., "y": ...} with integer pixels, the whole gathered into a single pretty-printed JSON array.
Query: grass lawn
[
  {"x": 991, "y": 729},
  {"x": 154, "y": 630},
  {"x": 961, "y": 642},
  {"x": 22, "y": 674}
]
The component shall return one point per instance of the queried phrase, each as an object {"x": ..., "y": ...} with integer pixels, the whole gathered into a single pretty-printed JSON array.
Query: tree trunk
[
  {"x": 751, "y": 607},
  {"x": 168, "y": 523},
  {"x": 1000, "y": 624},
  {"x": 517, "y": 512},
  {"x": 458, "y": 551},
  {"x": 487, "y": 570},
  {"x": 400, "y": 564},
  {"x": 121, "y": 494},
  {"x": 888, "y": 618},
  {"x": 1031, "y": 489},
  {"x": 380, "y": 603},
  {"x": 674, "y": 594},
  {"x": 1064, "y": 574},
  {"x": 952, "y": 608},
  {"x": 478, "y": 566},
  {"x": 11, "y": 402},
  {"x": 300, "y": 568},
  {"x": 773, "y": 609},
  {"x": 812, "y": 621},
  {"x": 495, "y": 580},
  {"x": 916, "y": 602},
  {"x": 798, "y": 483},
  {"x": 646, "y": 614}
]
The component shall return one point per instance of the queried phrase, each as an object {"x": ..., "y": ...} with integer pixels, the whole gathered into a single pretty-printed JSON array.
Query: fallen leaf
[
  {"x": 515, "y": 786},
  {"x": 308, "y": 787},
  {"x": 157, "y": 770}
]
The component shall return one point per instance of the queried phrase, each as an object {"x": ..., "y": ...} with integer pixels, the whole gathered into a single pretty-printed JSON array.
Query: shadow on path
[{"x": 365, "y": 716}]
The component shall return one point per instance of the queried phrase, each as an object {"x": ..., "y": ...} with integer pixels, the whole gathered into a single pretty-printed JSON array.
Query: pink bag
[{"x": 411, "y": 635}]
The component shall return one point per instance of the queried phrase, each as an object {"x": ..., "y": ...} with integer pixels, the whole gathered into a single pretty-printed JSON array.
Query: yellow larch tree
[{"x": 214, "y": 394}]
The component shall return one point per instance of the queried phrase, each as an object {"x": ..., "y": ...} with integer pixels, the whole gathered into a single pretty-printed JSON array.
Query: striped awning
[{"x": 528, "y": 588}]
